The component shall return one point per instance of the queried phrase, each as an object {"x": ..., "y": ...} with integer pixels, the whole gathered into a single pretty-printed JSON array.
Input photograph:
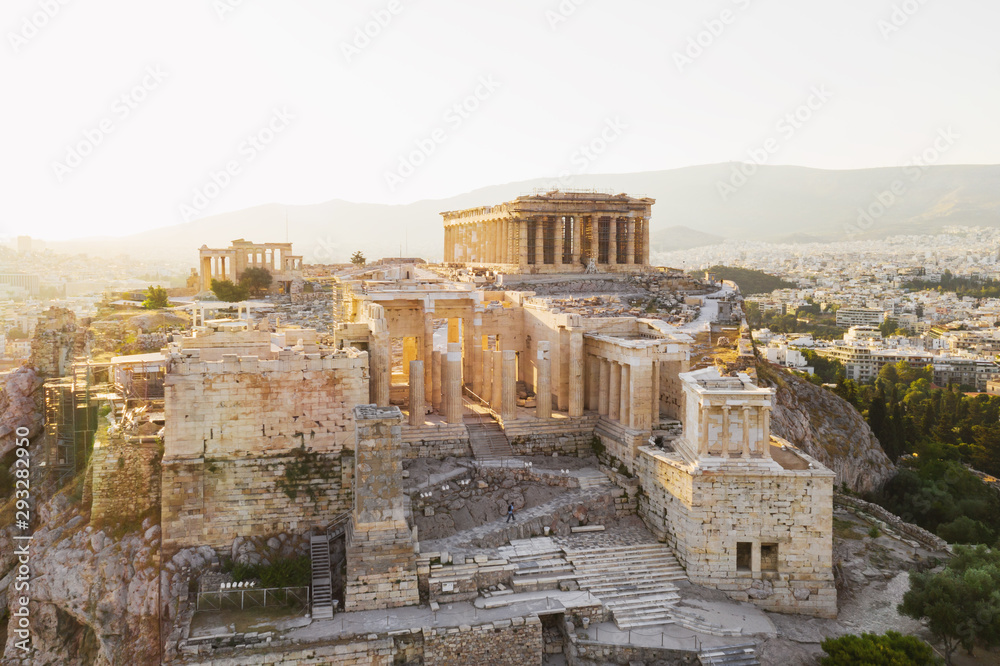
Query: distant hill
[
  {"x": 749, "y": 281},
  {"x": 779, "y": 203},
  {"x": 680, "y": 238}
]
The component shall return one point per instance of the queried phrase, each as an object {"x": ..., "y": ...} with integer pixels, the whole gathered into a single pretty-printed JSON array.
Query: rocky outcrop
[
  {"x": 94, "y": 597},
  {"x": 20, "y": 406},
  {"x": 828, "y": 428}
]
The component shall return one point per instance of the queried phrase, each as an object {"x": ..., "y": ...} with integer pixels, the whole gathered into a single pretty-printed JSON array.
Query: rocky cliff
[
  {"x": 21, "y": 401},
  {"x": 827, "y": 427}
]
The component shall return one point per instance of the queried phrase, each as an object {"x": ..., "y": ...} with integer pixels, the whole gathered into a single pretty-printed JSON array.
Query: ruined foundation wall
[
  {"x": 503, "y": 643},
  {"x": 211, "y": 502},
  {"x": 703, "y": 514},
  {"x": 126, "y": 480}
]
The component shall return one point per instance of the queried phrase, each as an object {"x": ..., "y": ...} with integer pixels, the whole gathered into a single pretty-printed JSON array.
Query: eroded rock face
[
  {"x": 95, "y": 598},
  {"x": 20, "y": 406},
  {"x": 828, "y": 428}
]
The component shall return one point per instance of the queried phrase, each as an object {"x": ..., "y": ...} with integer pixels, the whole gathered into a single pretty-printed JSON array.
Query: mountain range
[{"x": 696, "y": 206}]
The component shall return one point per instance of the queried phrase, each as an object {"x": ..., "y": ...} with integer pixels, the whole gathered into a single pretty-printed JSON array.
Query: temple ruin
[{"x": 229, "y": 263}]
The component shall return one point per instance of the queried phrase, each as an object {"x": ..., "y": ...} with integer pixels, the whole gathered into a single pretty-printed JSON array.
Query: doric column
[
  {"x": 624, "y": 410},
  {"x": 539, "y": 241},
  {"x": 603, "y": 389},
  {"x": 576, "y": 373},
  {"x": 654, "y": 411},
  {"x": 498, "y": 395},
  {"x": 436, "y": 381},
  {"x": 595, "y": 237},
  {"x": 522, "y": 244},
  {"x": 615, "y": 392},
  {"x": 746, "y": 431},
  {"x": 645, "y": 240},
  {"x": 630, "y": 246},
  {"x": 409, "y": 354},
  {"x": 416, "y": 393},
  {"x": 560, "y": 235},
  {"x": 487, "y": 356},
  {"x": 477, "y": 353},
  {"x": 428, "y": 349},
  {"x": 380, "y": 369},
  {"x": 725, "y": 431},
  {"x": 613, "y": 241},
  {"x": 508, "y": 406},
  {"x": 453, "y": 383},
  {"x": 593, "y": 381},
  {"x": 577, "y": 240},
  {"x": 543, "y": 384}
]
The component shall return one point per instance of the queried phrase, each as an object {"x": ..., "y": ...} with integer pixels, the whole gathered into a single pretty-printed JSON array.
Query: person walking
[{"x": 510, "y": 513}]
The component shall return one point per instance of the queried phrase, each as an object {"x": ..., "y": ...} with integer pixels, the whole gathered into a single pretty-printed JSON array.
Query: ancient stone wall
[
  {"x": 245, "y": 406},
  {"x": 214, "y": 501},
  {"x": 704, "y": 515},
  {"x": 126, "y": 480},
  {"x": 503, "y": 643}
]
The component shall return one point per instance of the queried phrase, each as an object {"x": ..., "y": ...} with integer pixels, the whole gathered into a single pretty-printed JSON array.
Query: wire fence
[{"x": 221, "y": 600}]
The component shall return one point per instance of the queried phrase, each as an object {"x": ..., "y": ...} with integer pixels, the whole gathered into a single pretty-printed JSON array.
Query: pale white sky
[{"x": 156, "y": 97}]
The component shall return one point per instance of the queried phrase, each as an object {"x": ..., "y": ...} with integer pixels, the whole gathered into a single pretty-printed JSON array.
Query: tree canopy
[
  {"x": 226, "y": 291},
  {"x": 156, "y": 297},
  {"x": 961, "y": 603},
  {"x": 358, "y": 259},
  {"x": 256, "y": 281}
]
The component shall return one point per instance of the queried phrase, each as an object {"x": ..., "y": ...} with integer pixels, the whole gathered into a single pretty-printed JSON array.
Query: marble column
[
  {"x": 654, "y": 411},
  {"x": 508, "y": 407},
  {"x": 615, "y": 392},
  {"x": 560, "y": 236},
  {"x": 577, "y": 241},
  {"x": 428, "y": 349},
  {"x": 498, "y": 395},
  {"x": 487, "y": 354},
  {"x": 703, "y": 440},
  {"x": 725, "y": 432},
  {"x": 543, "y": 381},
  {"x": 613, "y": 241},
  {"x": 436, "y": 381},
  {"x": 593, "y": 382},
  {"x": 522, "y": 244},
  {"x": 453, "y": 383},
  {"x": 416, "y": 393},
  {"x": 603, "y": 393},
  {"x": 576, "y": 373},
  {"x": 595, "y": 237},
  {"x": 477, "y": 353},
  {"x": 626, "y": 395},
  {"x": 765, "y": 442},
  {"x": 539, "y": 241},
  {"x": 746, "y": 432},
  {"x": 630, "y": 246},
  {"x": 380, "y": 370}
]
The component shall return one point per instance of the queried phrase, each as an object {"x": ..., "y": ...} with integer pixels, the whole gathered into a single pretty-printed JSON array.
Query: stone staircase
[
  {"x": 633, "y": 582},
  {"x": 689, "y": 618},
  {"x": 732, "y": 655},
  {"x": 539, "y": 564},
  {"x": 592, "y": 478},
  {"x": 488, "y": 440},
  {"x": 322, "y": 589}
]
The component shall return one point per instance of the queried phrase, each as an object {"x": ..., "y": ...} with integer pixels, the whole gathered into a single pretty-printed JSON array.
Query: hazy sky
[{"x": 121, "y": 115}]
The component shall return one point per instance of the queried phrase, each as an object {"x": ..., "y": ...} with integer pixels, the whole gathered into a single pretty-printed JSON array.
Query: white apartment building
[{"x": 847, "y": 317}]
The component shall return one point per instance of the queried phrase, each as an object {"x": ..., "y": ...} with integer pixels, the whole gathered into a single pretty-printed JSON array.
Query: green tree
[
  {"x": 358, "y": 259},
  {"x": 226, "y": 291},
  {"x": 256, "y": 281},
  {"x": 156, "y": 297},
  {"x": 961, "y": 603},
  {"x": 889, "y": 649}
]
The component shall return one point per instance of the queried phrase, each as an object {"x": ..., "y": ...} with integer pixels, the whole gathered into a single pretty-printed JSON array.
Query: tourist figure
[{"x": 510, "y": 513}]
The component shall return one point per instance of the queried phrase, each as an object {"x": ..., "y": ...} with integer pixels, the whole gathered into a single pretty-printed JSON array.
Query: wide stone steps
[
  {"x": 734, "y": 655},
  {"x": 488, "y": 441},
  {"x": 592, "y": 479},
  {"x": 322, "y": 588},
  {"x": 633, "y": 582},
  {"x": 690, "y": 619}
]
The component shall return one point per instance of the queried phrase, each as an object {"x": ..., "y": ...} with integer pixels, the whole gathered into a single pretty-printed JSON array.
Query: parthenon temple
[{"x": 556, "y": 232}]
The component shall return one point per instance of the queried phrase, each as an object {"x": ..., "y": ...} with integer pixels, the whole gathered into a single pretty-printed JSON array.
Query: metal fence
[{"x": 253, "y": 598}]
